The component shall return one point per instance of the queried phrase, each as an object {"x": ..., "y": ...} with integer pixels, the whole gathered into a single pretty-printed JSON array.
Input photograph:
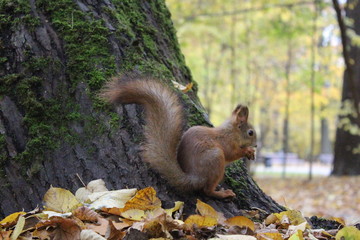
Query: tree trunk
[
  {"x": 346, "y": 158},
  {"x": 55, "y": 57}
]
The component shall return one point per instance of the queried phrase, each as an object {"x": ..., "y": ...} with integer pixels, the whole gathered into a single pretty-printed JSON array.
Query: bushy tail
[{"x": 163, "y": 130}]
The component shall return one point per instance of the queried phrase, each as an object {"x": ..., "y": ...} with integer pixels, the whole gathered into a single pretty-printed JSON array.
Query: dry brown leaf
[
  {"x": 114, "y": 232},
  {"x": 42, "y": 234},
  {"x": 86, "y": 214},
  {"x": 101, "y": 227},
  {"x": 120, "y": 225},
  {"x": 64, "y": 228},
  {"x": 114, "y": 211},
  {"x": 5, "y": 235}
]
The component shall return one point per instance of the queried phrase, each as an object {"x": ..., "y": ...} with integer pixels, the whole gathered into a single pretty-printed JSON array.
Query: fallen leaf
[
  {"x": 97, "y": 185},
  {"x": 270, "y": 235},
  {"x": 114, "y": 233},
  {"x": 64, "y": 228},
  {"x": 11, "y": 220},
  {"x": 348, "y": 233},
  {"x": 295, "y": 217},
  {"x": 144, "y": 199},
  {"x": 339, "y": 220},
  {"x": 298, "y": 235},
  {"x": 178, "y": 205},
  {"x": 18, "y": 228},
  {"x": 120, "y": 225},
  {"x": 5, "y": 235},
  {"x": 86, "y": 214},
  {"x": 154, "y": 229},
  {"x": 100, "y": 227},
  {"x": 201, "y": 221},
  {"x": 241, "y": 221},
  {"x": 42, "y": 234},
  {"x": 233, "y": 237},
  {"x": 50, "y": 214},
  {"x": 206, "y": 210},
  {"x": 270, "y": 219},
  {"x": 111, "y": 199},
  {"x": 183, "y": 88},
  {"x": 60, "y": 200},
  {"x": 134, "y": 214},
  {"x": 88, "y": 234}
]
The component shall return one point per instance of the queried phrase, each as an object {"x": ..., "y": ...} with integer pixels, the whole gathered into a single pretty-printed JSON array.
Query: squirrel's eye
[{"x": 250, "y": 132}]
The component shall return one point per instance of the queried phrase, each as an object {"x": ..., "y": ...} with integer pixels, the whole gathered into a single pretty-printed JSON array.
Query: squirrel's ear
[{"x": 241, "y": 114}]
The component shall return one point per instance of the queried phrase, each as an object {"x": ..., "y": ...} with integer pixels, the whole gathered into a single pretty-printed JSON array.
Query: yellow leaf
[
  {"x": 18, "y": 228},
  {"x": 60, "y": 200},
  {"x": 348, "y": 233},
  {"x": 134, "y": 214},
  {"x": 241, "y": 221},
  {"x": 206, "y": 210},
  {"x": 177, "y": 206},
  {"x": 267, "y": 236},
  {"x": 144, "y": 199},
  {"x": 11, "y": 219},
  {"x": 298, "y": 235},
  {"x": 294, "y": 216},
  {"x": 339, "y": 220},
  {"x": 270, "y": 219},
  {"x": 201, "y": 221},
  {"x": 183, "y": 88}
]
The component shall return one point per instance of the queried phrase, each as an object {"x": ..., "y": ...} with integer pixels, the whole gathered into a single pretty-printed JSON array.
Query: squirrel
[{"x": 191, "y": 161}]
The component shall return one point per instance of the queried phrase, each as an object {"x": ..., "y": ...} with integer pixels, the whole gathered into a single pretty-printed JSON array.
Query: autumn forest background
[
  {"x": 295, "y": 63},
  {"x": 285, "y": 60},
  {"x": 266, "y": 54}
]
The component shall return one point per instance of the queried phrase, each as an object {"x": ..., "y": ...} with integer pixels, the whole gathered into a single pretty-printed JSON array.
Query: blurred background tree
[
  {"x": 273, "y": 56},
  {"x": 347, "y": 145}
]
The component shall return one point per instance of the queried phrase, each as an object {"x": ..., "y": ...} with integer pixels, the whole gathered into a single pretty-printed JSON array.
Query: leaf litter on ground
[
  {"x": 97, "y": 213},
  {"x": 328, "y": 197}
]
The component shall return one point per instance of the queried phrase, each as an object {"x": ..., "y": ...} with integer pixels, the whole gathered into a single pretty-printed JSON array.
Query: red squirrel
[{"x": 191, "y": 161}]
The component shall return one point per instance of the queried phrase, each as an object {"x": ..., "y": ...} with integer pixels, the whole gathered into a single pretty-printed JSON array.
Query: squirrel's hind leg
[{"x": 214, "y": 179}]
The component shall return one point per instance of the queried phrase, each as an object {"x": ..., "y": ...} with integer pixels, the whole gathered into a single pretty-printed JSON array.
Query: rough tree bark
[
  {"x": 346, "y": 158},
  {"x": 55, "y": 57}
]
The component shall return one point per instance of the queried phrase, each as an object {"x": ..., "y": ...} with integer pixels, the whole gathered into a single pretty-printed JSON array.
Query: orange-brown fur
[{"x": 191, "y": 161}]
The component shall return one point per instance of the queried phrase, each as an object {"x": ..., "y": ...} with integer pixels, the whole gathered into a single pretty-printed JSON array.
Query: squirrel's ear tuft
[{"x": 241, "y": 114}]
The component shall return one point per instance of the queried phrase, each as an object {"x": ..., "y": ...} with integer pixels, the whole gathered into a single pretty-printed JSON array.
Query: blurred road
[{"x": 295, "y": 169}]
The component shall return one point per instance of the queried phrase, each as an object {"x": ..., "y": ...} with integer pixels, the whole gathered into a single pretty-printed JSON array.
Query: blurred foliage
[{"x": 238, "y": 52}]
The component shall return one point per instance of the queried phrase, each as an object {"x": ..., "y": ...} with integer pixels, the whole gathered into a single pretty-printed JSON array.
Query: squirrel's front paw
[{"x": 249, "y": 153}]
